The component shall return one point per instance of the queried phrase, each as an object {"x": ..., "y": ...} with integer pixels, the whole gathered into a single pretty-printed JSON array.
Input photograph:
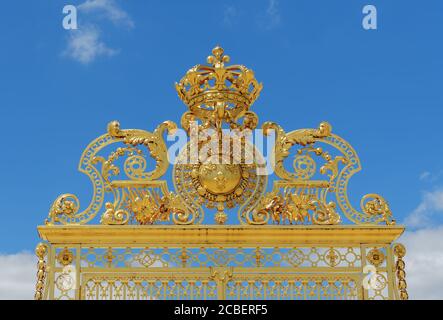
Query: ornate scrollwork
[
  {"x": 65, "y": 209},
  {"x": 325, "y": 213},
  {"x": 250, "y": 121},
  {"x": 304, "y": 167},
  {"x": 375, "y": 205},
  {"x": 108, "y": 165},
  {"x": 153, "y": 141},
  {"x": 338, "y": 168},
  {"x": 312, "y": 167},
  {"x": 66, "y": 204},
  {"x": 113, "y": 216},
  {"x": 148, "y": 206},
  {"x": 295, "y": 208},
  {"x": 332, "y": 166},
  {"x": 220, "y": 96},
  {"x": 58, "y": 214},
  {"x": 284, "y": 142}
]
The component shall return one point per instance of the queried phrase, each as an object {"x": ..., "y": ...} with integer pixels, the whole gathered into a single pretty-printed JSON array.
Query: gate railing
[{"x": 211, "y": 262}]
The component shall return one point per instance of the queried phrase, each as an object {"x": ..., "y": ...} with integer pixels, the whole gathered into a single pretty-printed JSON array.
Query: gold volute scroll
[{"x": 153, "y": 141}]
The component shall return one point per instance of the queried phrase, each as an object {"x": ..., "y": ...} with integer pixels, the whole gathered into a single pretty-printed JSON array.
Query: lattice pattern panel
[
  {"x": 294, "y": 288},
  {"x": 300, "y": 272},
  {"x": 102, "y": 287},
  {"x": 221, "y": 257}
]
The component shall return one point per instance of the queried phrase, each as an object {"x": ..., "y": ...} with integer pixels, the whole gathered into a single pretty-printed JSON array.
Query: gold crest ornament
[{"x": 202, "y": 221}]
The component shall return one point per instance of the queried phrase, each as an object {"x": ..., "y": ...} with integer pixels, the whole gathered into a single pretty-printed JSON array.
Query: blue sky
[{"x": 380, "y": 89}]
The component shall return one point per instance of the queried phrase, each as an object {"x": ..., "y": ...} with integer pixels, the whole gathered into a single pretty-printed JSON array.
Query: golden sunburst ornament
[{"x": 217, "y": 185}]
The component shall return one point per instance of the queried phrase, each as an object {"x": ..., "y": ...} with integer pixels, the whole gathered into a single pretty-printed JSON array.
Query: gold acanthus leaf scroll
[
  {"x": 66, "y": 204},
  {"x": 108, "y": 167},
  {"x": 151, "y": 207},
  {"x": 285, "y": 141},
  {"x": 113, "y": 216},
  {"x": 152, "y": 140},
  {"x": 295, "y": 209},
  {"x": 375, "y": 205}
]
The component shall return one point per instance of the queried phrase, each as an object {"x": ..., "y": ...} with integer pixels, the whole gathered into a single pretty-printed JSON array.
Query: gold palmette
[{"x": 299, "y": 238}]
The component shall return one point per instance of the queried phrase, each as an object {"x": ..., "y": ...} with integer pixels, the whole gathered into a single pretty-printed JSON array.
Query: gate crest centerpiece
[{"x": 300, "y": 238}]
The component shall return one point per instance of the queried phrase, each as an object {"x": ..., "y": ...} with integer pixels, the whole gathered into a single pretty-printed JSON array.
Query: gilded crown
[{"x": 206, "y": 86}]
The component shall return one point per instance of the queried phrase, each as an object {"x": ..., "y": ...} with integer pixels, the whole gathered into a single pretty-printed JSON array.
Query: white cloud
[
  {"x": 424, "y": 263},
  {"x": 107, "y": 9},
  {"x": 17, "y": 276},
  {"x": 430, "y": 206},
  {"x": 84, "y": 45},
  {"x": 271, "y": 18}
]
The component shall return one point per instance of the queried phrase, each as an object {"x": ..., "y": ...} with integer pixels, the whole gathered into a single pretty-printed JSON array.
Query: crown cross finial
[{"x": 218, "y": 58}]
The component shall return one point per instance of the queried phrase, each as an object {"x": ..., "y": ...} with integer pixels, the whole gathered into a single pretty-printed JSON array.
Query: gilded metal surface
[
  {"x": 41, "y": 251},
  {"x": 400, "y": 252},
  {"x": 300, "y": 238},
  {"x": 217, "y": 94},
  {"x": 220, "y": 186},
  {"x": 298, "y": 271},
  {"x": 376, "y": 257},
  {"x": 65, "y": 257},
  {"x": 204, "y": 235}
]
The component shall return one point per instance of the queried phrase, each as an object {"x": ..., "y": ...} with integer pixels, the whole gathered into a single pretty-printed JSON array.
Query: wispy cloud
[
  {"x": 273, "y": 12},
  {"x": 86, "y": 44},
  {"x": 18, "y": 276},
  {"x": 107, "y": 9},
  {"x": 424, "y": 175},
  {"x": 427, "y": 176},
  {"x": 431, "y": 206},
  {"x": 271, "y": 17},
  {"x": 230, "y": 15}
]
